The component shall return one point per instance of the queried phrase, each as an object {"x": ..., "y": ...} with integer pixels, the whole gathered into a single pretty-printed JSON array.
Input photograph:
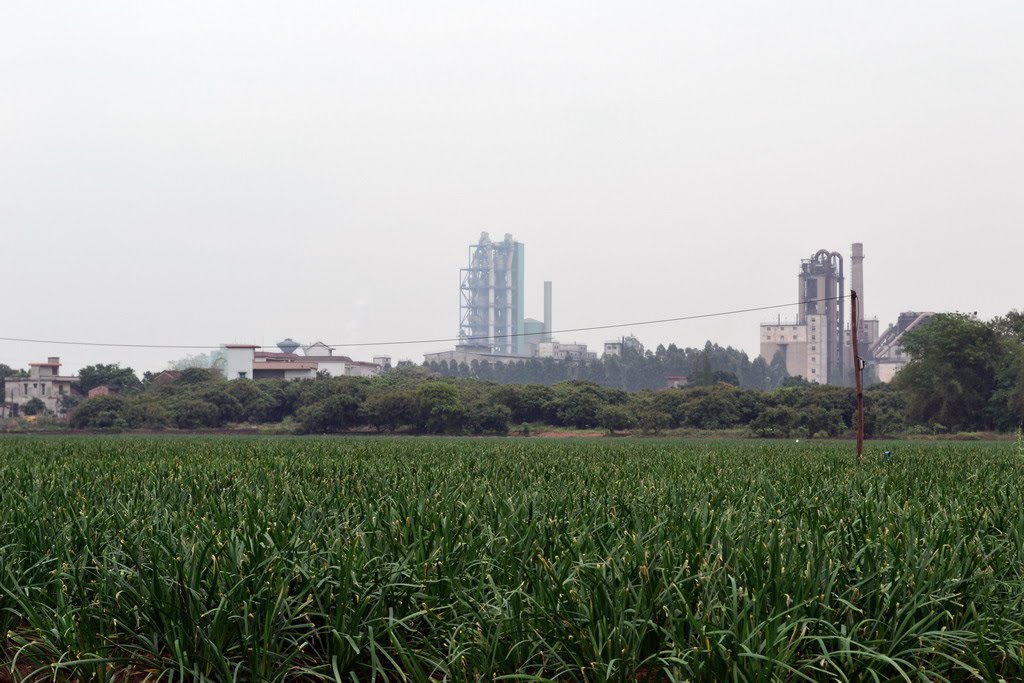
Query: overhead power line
[
  {"x": 193, "y": 347},
  {"x": 441, "y": 340},
  {"x": 593, "y": 328}
]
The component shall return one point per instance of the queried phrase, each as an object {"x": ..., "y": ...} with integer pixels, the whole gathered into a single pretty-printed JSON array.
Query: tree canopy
[
  {"x": 965, "y": 373},
  {"x": 636, "y": 369},
  {"x": 93, "y": 376}
]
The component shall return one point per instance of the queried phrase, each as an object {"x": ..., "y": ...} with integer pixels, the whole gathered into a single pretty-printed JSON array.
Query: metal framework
[
  {"x": 821, "y": 277},
  {"x": 491, "y": 296},
  {"x": 888, "y": 342}
]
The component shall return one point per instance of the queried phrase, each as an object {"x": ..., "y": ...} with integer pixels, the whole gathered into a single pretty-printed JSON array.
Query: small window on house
[
  {"x": 794, "y": 337},
  {"x": 812, "y": 371},
  {"x": 242, "y": 374}
]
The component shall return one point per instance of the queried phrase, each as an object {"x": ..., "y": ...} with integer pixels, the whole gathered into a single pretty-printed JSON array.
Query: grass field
[{"x": 272, "y": 559}]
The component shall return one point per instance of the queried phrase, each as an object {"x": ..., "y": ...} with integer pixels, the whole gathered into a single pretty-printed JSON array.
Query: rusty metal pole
[{"x": 857, "y": 368}]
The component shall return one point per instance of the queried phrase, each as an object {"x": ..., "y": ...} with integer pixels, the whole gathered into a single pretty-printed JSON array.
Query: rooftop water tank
[{"x": 288, "y": 345}]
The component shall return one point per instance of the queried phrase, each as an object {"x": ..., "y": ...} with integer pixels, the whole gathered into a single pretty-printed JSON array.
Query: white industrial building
[
  {"x": 560, "y": 351},
  {"x": 464, "y": 353},
  {"x": 469, "y": 354},
  {"x": 804, "y": 345},
  {"x": 615, "y": 347}
]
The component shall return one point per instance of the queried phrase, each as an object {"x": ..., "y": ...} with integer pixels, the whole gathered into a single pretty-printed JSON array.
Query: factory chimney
[
  {"x": 857, "y": 260},
  {"x": 547, "y": 311}
]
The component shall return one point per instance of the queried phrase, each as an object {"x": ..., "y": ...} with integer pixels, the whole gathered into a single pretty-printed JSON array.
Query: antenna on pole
[{"x": 858, "y": 367}]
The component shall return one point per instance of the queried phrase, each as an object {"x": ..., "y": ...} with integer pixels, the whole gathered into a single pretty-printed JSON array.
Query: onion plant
[{"x": 294, "y": 559}]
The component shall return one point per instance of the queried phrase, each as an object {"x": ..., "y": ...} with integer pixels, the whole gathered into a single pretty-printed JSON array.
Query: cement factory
[
  {"x": 818, "y": 345},
  {"x": 493, "y": 326}
]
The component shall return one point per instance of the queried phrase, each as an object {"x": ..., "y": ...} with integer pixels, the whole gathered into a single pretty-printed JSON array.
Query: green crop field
[{"x": 269, "y": 559}]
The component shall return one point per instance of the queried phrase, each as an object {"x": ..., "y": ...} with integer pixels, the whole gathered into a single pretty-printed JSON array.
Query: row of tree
[
  {"x": 966, "y": 375},
  {"x": 416, "y": 401},
  {"x": 636, "y": 369}
]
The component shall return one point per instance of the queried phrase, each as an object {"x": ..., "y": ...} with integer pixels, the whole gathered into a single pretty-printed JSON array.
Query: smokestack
[
  {"x": 857, "y": 285},
  {"x": 547, "y": 311}
]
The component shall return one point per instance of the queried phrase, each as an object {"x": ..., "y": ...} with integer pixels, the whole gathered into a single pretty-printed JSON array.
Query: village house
[
  {"x": 245, "y": 362},
  {"x": 44, "y": 382}
]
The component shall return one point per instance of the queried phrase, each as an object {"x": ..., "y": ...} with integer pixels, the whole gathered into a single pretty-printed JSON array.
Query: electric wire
[
  {"x": 440, "y": 340},
  {"x": 594, "y": 327}
]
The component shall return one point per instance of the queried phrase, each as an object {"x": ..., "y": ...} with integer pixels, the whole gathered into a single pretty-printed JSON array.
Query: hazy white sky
[{"x": 205, "y": 172}]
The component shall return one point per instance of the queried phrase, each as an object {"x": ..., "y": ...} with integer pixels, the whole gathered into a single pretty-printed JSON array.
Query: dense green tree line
[
  {"x": 634, "y": 370},
  {"x": 966, "y": 375},
  {"x": 412, "y": 400}
]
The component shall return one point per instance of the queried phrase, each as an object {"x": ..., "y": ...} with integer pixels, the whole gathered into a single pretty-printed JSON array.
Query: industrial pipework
[{"x": 822, "y": 290}]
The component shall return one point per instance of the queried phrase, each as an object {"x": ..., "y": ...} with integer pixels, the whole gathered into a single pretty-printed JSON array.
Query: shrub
[
  {"x": 100, "y": 412},
  {"x": 489, "y": 419},
  {"x": 191, "y": 413},
  {"x": 651, "y": 420},
  {"x": 149, "y": 414},
  {"x": 614, "y": 417},
  {"x": 777, "y": 421},
  {"x": 33, "y": 407},
  {"x": 334, "y": 414},
  {"x": 440, "y": 408},
  {"x": 390, "y": 410}
]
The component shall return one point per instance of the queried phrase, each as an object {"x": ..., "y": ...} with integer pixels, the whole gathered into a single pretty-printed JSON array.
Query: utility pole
[{"x": 858, "y": 367}]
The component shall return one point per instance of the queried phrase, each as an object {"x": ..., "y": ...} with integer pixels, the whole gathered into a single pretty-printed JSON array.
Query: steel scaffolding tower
[{"x": 491, "y": 296}]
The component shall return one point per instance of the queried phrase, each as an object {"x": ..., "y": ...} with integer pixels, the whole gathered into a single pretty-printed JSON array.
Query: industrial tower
[
  {"x": 812, "y": 346},
  {"x": 818, "y": 345},
  {"x": 491, "y": 296},
  {"x": 822, "y": 301}
]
